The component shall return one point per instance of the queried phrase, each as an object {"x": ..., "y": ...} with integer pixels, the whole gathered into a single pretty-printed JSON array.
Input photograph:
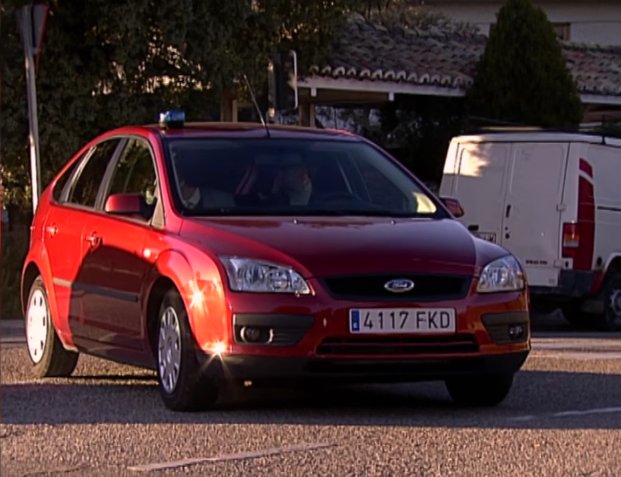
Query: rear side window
[{"x": 85, "y": 189}]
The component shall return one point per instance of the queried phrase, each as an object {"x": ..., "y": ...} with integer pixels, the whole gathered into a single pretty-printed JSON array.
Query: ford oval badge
[{"x": 399, "y": 285}]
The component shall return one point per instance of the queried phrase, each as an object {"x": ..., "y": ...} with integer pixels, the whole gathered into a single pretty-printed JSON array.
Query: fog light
[
  {"x": 516, "y": 332},
  {"x": 253, "y": 334}
]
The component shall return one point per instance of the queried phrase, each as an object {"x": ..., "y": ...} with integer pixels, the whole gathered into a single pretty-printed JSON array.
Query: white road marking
[
  {"x": 230, "y": 457},
  {"x": 603, "y": 410},
  {"x": 585, "y": 412}
]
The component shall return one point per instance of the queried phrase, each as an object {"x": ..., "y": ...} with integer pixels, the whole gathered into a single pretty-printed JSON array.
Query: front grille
[
  {"x": 392, "y": 345},
  {"x": 371, "y": 287}
]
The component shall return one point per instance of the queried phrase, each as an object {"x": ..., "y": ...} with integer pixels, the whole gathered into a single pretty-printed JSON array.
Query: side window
[
  {"x": 89, "y": 180},
  {"x": 135, "y": 172},
  {"x": 62, "y": 182}
]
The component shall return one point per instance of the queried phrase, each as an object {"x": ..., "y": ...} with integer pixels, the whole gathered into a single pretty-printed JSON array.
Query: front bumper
[
  {"x": 286, "y": 369},
  {"x": 309, "y": 338}
]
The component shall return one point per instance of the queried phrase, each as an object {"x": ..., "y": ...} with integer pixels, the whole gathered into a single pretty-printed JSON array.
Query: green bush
[{"x": 14, "y": 249}]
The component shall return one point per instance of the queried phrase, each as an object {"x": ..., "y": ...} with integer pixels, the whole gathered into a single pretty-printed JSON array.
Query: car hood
[{"x": 338, "y": 246}]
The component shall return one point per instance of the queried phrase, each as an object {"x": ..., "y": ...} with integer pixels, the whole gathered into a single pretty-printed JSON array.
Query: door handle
[
  {"x": 93, "y": 240},
  {"x": 51, "y": 230},
  {"x": 508, "y": 211}
]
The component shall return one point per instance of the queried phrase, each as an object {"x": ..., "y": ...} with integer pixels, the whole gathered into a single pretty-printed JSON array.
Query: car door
[
  {"x": 114, "y": 266},
  {"x": 63, "y": 232}
]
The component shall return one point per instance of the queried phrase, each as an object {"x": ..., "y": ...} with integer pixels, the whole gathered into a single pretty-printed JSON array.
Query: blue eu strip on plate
[{"x": 355, "y": 320}]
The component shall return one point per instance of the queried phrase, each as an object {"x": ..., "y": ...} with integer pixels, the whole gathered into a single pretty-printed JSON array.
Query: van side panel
[
  {"x": 606, "y": 163},
  {"x": 475, "y": 173}
]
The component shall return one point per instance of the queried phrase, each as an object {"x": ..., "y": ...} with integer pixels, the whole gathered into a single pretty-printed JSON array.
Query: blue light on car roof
[{"x": 173, "y": 118}]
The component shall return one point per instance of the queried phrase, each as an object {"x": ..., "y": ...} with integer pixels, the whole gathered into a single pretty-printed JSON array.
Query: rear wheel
[
  {"x": 486, "y": 390},
  {"x": 49, "y": 357},
  {"x": 182, "y": 383},
  {"x": 610, "y": 319}
]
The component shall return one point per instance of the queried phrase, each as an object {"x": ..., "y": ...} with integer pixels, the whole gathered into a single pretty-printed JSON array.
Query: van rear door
[
  {"x": 531, "y": 225},
  {"x": 475, "y": 173}
]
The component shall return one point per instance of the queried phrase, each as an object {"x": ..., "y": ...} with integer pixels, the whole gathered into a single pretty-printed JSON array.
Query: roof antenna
[{"x": 256, "y": 105}]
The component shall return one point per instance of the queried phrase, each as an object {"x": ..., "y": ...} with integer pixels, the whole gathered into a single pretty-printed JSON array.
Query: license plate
[{"x": 402, "y": 320}]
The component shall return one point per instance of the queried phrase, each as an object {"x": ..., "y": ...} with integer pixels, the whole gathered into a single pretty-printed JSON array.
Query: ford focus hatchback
[{"x": 230, "y": 253}]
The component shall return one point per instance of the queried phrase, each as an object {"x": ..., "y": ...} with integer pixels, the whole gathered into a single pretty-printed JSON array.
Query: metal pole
[{"x": 31, "y": 88}]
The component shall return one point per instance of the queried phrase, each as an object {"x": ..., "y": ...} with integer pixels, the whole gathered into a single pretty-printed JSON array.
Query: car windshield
[{"x": 291, "y": 177}]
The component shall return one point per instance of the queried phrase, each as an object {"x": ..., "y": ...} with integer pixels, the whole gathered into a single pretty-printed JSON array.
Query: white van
[{"x": 553, "y": 200}]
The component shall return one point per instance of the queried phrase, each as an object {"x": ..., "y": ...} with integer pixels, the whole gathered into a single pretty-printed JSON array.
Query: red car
[{"x": 236, "y": 252}]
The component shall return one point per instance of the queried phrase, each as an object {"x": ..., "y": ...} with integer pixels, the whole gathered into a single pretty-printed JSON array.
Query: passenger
[
  {"x": 190, "y": 194},
  {"x": 297, "y": 184},
  {"x": 195, "y": 197}
]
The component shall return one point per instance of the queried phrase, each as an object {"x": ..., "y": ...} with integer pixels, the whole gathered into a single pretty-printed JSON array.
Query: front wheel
[
  {"x": 48, "y": 356},
  {"x": 487, "y": 390},
  {"x": 183, "y": 384}
]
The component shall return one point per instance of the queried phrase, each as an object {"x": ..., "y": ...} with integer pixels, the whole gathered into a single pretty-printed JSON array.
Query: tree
[{"x": 522, "y": 76}]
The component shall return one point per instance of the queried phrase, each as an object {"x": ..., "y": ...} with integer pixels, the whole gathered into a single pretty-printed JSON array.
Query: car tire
[
  {"x": 610, "y": 319},
  {"x": 182, "y": 383},
  {"x": 48, "y": 356},
  {"x": 487, "y": 390}
]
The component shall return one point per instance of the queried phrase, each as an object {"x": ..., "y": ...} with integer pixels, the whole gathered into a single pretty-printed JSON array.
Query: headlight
[
  {"x": 248, "y": 275},
  {"x": 503, "y": 274}
]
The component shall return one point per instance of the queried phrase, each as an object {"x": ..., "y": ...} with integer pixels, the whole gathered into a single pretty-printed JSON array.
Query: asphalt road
[{"x": 562, "y": 418}]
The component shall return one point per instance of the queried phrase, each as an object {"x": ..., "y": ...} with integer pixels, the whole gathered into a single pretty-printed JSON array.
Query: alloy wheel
[{"x": 169, "y": 349}]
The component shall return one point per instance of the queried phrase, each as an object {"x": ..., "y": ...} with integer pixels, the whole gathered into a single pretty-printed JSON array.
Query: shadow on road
[{"x": 119, "y": 399}]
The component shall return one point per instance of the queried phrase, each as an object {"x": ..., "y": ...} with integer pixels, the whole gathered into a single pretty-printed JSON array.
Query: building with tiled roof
[
  {"x": 372, "y": 64},
  {"x": 581, "y": 21}
]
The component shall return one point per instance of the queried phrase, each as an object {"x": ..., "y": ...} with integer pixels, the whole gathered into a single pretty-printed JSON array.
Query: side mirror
[
  {"x": 126, "y": 204},
  {"x": 453, "y": 206}
]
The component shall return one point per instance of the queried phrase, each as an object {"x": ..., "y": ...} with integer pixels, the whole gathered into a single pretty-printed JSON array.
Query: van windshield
[{"x": 212, "y": 176}]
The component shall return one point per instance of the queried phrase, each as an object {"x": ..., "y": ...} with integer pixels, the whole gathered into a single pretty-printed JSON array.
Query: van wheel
[
  {"x": 48, "y": 356},
  {"x": 485, "y": 390},
  {"x": 183, "y": 384},
  {"x": 610, "y": 320}
]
